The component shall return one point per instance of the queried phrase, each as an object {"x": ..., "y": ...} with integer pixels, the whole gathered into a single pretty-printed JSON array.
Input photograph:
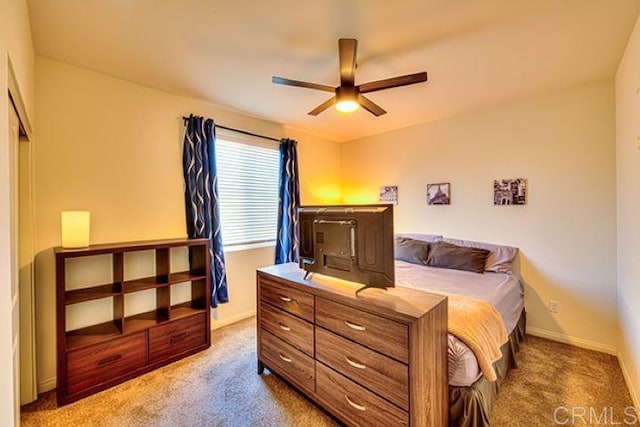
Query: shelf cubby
[
  {"x": 144, "y": 283},
  {"x": 142, "y": 321},
  {"x": 76, "y": 296},
  {"x": 185, "y": 309},
  {"x": 186, "y": 276},
  {"x": 92, "y": 334}
]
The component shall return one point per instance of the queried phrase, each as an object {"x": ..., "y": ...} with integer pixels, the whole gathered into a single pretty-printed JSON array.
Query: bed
[{"x": 471, "y": 394}]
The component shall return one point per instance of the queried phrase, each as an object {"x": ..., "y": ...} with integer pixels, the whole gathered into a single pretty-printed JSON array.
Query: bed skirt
[{"x": 471, "y": 406}]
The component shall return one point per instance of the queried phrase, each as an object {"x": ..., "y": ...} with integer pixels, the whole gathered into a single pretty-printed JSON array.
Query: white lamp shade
[{"x": 75, "y": 229}]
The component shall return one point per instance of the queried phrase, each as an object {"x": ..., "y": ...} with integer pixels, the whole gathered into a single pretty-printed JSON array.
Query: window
[{"x": 247, "y": 189}]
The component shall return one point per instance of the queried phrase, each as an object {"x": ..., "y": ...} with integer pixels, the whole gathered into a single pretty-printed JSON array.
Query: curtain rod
[{"x": 239, "y": 131}]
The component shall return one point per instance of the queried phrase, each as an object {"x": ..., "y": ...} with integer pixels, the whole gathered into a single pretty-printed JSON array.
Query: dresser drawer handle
[
  {"x": 177, "y": 338},
  {"x": 285, "y": 299},
  {"x": 108, "y": 360},
  {"x": 284, "y": 327},
  {"x": 355, "y": 405},
  {"x": 285, "y": 358},
  {"x": 354, "y": 326},
  {"x": 355, "y": 364}
]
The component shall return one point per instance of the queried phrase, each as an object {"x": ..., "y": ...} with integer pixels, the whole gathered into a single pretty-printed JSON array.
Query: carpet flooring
[{"x": 220, "y": 387}]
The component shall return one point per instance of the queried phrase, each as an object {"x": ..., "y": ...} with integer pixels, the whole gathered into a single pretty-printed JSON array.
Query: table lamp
[{"x": 75, "y": 229}]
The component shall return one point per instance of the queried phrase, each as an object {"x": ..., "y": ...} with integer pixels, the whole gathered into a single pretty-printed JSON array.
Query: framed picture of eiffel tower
[{"x": 439, "y": 193}]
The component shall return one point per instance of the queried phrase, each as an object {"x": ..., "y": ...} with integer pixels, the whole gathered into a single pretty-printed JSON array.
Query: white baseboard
[
  {"x": 217, "y": 324},
  {"x": 566, "y": 339},
  {"x": 47, "y": 385},
  {"x": 629, "y": 381}
]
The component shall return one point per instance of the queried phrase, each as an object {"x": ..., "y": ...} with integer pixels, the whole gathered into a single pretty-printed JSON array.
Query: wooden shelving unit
[{"x": 100, "y": 355}]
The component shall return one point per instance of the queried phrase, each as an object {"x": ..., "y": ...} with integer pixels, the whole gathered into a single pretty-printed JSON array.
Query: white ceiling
[{"x": 477, "y": 52}]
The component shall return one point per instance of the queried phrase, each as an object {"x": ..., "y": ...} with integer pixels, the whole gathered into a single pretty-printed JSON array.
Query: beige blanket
[{"x": 479, "y": 325}]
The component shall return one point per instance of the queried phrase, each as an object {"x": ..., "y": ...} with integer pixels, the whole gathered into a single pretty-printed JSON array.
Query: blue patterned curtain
[
  {"x": 288, "y": 203},
  {"x": 201, "y": 197}
]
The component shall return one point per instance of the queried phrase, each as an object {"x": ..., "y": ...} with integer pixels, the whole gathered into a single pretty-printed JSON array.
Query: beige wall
[
  {"x": 16, "y": 42},
  {"x": 564, "y": 145},
  {"x": 628, "y": 203},
  {"x": 114, "y": 148},
  {"x": 16, "y": 46}
]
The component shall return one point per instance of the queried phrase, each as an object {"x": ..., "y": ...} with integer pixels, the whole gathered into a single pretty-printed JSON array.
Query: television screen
[{"x": 350, "y": 242}]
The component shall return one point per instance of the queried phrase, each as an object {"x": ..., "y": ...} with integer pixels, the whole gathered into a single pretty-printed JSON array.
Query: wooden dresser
[
  {"x": 148, "y": 322},
  {"x": 375, "y": 359}
]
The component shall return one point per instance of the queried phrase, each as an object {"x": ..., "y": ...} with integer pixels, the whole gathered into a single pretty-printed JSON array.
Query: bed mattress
[{"x": 504, "y": 291}]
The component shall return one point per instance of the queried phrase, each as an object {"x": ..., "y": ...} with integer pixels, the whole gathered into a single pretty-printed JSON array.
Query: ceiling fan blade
[
  {"x": 308, "y": 85},
  {"x": 409, "y": 79},
  {"x": 320, "y": 108},
  {"x": 371, "y": 106},
  {"x": 347, "y": 49}
]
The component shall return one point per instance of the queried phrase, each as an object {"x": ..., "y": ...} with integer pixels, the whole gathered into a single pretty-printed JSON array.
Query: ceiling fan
[{"x": 349, "y": 97}]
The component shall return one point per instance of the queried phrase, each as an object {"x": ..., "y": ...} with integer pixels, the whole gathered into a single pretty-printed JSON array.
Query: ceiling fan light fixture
[
  {"x": 347, "y": 99},
  {"x": 347, "y": 106}
]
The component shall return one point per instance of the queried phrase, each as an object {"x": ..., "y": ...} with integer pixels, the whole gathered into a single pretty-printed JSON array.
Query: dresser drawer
[
  {"x": 102, "y": 362},
  {"x": 354, "y": 404},
  {"x": 377, "y": 372},
  {"x": 378, "y": 333},
  {"x": 287, "y": 361},
  {"x": 177, "y": 337},
  {"x": 287, "y": 298},
  {"x": 291, "y": 329}
]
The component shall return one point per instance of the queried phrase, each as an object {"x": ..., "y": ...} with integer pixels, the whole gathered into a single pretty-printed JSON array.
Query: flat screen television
[{"x": 352, "y": 242}]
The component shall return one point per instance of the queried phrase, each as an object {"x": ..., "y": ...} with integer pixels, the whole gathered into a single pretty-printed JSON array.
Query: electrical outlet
[{"x": 554, "y": 306}]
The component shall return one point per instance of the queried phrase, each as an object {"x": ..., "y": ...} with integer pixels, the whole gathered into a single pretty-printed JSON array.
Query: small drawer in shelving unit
[
  {"x": 177, "y": 337},
  {"x": 97, "y": 364}
]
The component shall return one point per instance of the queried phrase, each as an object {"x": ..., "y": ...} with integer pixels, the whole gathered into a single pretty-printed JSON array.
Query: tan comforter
[{"x": 479, "y": 325}]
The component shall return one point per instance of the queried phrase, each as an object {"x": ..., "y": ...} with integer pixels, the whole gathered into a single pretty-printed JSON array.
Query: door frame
[
  {"x": 28, "y": 389},
  {"x": 26, "y": 131}
]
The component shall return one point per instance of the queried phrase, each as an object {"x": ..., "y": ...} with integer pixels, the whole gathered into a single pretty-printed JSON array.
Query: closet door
[
  {"x": 26, "y": 291},
  {"x": 9, "y": 289},
  {"x": 14, "y": 140}
]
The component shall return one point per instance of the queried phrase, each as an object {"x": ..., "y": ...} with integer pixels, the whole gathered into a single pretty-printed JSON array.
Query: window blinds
[{"x": 247, "y": 190}]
